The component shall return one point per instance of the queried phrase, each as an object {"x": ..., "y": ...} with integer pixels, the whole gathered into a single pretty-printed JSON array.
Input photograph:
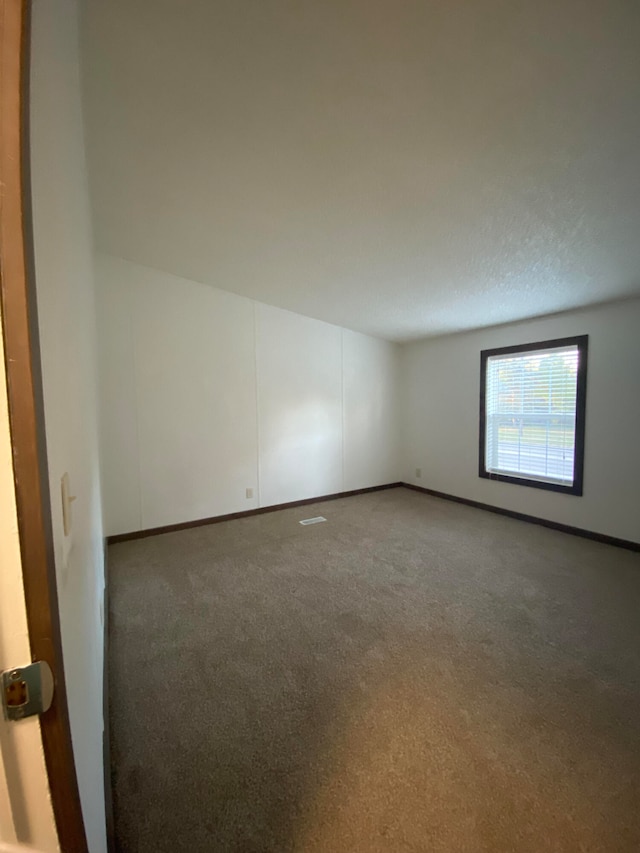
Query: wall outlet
[
  {"x": 249, "y": 493},
  {"x": 418, "y": 472}
]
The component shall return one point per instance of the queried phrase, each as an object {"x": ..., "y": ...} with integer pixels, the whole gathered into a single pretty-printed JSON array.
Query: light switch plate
[{"x": 67, "y": 500}]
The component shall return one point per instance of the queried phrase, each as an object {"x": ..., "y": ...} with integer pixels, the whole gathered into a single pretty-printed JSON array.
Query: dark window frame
[{"x": 576, "y": 488}]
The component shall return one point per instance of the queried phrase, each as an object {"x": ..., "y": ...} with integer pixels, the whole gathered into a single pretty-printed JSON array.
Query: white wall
[
  {"x": 440, "y": 391},
  {"x": 64, "y": 281},
  {"x": 195, "y": 441},
  {"x": 299, "y": 369},
  {"x": 205, "y": 394}
]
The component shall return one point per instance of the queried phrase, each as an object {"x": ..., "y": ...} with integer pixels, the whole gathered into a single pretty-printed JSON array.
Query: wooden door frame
[{"x": 26, "y": 414}]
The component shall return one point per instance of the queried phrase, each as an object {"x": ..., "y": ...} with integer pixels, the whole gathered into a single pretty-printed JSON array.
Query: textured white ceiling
[{"x": 399, "y": 167}]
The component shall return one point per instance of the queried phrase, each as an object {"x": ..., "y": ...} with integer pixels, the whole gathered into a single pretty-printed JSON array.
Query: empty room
[{"x": 338, "y": 316}]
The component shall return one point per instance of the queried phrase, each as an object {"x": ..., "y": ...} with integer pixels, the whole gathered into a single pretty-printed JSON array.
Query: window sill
[{"x": 549, "y": 486}]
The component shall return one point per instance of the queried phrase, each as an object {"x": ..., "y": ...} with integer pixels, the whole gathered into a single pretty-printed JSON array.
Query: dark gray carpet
[{"x": 413, "y": 675}]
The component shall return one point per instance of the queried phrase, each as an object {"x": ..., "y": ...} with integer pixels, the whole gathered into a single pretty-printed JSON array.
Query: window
[{"x": 532, "y": 406}]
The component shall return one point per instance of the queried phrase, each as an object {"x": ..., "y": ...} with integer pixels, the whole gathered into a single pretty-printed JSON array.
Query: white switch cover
[
  {"x": 249, "y": 493},
  {"x": 67, "y": 500}
]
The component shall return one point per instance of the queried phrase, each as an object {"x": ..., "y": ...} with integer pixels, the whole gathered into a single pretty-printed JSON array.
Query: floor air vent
[{"x": 315, "y": 520}]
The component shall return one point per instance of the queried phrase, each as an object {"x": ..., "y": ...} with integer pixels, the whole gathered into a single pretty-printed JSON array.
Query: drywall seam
[
  {"x": 123, "y": 282},
  {"x": 255, "y": 365},
  {"x": 134, "y": 355},
  {"x": 342, "y": 399}
]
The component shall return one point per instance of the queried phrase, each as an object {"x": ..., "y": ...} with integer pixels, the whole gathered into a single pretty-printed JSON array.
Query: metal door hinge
[{"x": 27, "y": 690}]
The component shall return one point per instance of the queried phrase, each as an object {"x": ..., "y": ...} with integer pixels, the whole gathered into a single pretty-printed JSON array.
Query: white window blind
[{"x": 531, "y": 414}]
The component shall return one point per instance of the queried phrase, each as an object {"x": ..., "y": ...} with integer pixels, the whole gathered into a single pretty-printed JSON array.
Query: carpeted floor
[{"x": 412, "y": 675}]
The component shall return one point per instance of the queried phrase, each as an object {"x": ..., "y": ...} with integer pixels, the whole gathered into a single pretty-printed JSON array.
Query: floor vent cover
[{"x": 315, "y": 520}]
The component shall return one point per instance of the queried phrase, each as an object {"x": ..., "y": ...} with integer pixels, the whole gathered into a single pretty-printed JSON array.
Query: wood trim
[
  {"x": 22, "y": 362},
  {"x": 582, "y": 342},
  {"x": 532, "y": 519},
  {"x": 216, "y": 519},
  {"x": 581, "y": 413}
]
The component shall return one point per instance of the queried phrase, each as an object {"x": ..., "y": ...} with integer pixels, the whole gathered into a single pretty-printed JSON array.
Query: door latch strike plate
[{"x": 27, "y": 690}]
